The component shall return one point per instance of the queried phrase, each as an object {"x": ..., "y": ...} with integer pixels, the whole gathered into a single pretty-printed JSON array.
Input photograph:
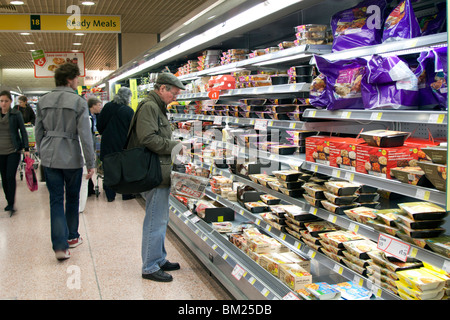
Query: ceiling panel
[{"x": 137, "y": 16}]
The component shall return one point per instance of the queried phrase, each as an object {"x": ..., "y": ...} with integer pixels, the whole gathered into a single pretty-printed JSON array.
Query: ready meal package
[
  {"x": 358, "y": 26},
  {"x": 378, "y": 161},
  {"x": 343, "y": 83},
  {"x": 318, "y": 93},
  {"x": 390, "y": 84},
  {"x": 401, "y": 23},
  {"x": 318, "y": 149},
  {"x": 343, "y": 153}
]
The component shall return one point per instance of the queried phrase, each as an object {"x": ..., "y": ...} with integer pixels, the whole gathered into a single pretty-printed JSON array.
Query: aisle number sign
[{"x": 60, "y": 23}]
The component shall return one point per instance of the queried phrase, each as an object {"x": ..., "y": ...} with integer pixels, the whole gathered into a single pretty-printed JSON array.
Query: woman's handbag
[{"x": 134, "y": 170}]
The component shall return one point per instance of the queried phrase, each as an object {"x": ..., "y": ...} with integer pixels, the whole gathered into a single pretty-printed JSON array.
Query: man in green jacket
[{"x": 153, "y": 131}]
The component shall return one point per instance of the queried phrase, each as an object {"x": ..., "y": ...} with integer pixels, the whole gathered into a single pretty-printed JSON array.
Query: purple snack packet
[
  {"x": 439, "y": 82},
  {"x": 390, "y": 84},
  {"x": 343, "y": 83},
  {"x": 358, "y": 26},
  {"x": 401, "y": 23},
  {"x": 319, "y": 93},
  {"x": 425, "y": 74},
  {"x": 435, "y": 23}
]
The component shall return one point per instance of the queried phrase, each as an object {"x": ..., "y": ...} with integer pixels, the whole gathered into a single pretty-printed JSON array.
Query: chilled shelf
[{"x": 411, "y": 116}]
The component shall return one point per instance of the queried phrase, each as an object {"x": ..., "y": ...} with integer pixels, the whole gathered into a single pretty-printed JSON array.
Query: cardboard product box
[
  {"x": 318, "y": 149},
  {"x": 294, "y": 276},
  {"x": 295, "y": 258},
  {"x": 272, "y": 261},
  {"x": 417, "y": 145},
  {"x": 378, "y": 161},
  {"x": 343, "y": 153}
]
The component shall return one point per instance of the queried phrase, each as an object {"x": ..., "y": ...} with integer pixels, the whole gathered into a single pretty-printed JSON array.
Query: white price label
[
  {"x": 261, "y": 124},
  {"x": 291, "y": 296},
  {"x": 238, "y": 272},
  {"x": 393, "y": 246},
  {"x": 187, "y": 213},
  {"x": 218, "y": 120}
]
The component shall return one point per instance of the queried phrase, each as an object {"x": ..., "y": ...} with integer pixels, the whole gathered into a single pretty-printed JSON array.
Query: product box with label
[
  {"x": 343, "y": 153},
  {"x": 378, "y": 161},
  {"x": 294, "y": 276},
  {"x": 318, "y": 149}
]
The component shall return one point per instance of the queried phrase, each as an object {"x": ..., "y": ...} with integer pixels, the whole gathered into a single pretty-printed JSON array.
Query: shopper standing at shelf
[
  {"x": 153, "y": 131},
  {"x": 62, "y": 122},
  {"x": 113, "y": 123},
  {"x": 13, "y": 139},
  {"x": 29, "y": 117}
]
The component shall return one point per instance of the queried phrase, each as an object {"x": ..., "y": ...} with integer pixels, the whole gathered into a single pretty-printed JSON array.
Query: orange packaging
[
  {"x": 378, "y": 161},
  {"x": 343, "y": 153},
  {"x": 317, "y": 149}
]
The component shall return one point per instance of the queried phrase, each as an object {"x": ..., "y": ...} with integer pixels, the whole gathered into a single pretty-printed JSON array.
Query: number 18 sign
[{"x": 393, "y": 246}]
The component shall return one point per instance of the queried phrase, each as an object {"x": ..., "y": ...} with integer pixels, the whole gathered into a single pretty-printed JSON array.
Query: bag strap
[{"x": 134, "y": 120}]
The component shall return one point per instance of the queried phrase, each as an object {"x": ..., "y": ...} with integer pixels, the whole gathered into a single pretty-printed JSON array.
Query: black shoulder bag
[{"x": 133, "y": 170}]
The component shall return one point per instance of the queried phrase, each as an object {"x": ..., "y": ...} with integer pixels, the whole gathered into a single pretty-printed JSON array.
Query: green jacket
[{"x": 153, "y": 131}]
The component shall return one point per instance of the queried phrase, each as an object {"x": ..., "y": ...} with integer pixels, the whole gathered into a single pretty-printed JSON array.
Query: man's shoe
[
  {"x": 159, "y": 276},
  {"x": 73, "y": 243},
  {"x": 169, "y": 266},
  {"x": 62, "y": 254}
]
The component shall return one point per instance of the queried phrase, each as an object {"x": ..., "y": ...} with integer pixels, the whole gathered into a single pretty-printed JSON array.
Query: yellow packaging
[
  {"x": 409, "y": 293},
  {"x": 294, "y": 276},
  {"x": 421, "y": 280}
]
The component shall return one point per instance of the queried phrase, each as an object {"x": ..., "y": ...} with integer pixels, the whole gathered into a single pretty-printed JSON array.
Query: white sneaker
[{"x": 62, "y": 254}]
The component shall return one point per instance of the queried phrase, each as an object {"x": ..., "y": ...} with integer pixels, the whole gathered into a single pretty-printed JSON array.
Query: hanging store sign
[
  {"x": 59, "y": 23},
  {"x": 45, "y": 63}
]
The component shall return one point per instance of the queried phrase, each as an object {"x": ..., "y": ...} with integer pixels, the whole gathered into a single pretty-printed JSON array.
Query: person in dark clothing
[
  {"x": 13, "y": 139},
  {"x": 27, "y": 112},
  {"x": 113, "y": 123},
  {"x": 95, "y": 107}
]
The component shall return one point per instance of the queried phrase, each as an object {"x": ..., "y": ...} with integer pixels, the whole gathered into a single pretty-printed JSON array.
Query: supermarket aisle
[{"x": 106, "y": 266}]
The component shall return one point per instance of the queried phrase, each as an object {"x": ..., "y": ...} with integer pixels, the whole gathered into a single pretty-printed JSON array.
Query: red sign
[{"x": 214, "y": 94}]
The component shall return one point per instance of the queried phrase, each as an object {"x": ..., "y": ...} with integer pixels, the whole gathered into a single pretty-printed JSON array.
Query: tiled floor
[{"x": 106, "y": 266}]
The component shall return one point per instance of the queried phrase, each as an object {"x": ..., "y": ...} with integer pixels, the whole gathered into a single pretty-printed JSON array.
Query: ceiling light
[
  {"x": 29, "y": 42},
  {"x": 17, "y": 3},
  {"x": 32, "y": 50},
  {"x": 88, "y": 3},
  {"x": 75, "y": 50},
  {"x": 76, "y": 44},
  {"x": 79, "y": 34},
  {"x": 25, "y": 33}
]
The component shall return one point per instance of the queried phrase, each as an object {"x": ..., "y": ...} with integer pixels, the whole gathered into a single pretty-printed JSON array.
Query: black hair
[
  {"x": 67, "y": 71},
  {"x": 6, "y": 93}
]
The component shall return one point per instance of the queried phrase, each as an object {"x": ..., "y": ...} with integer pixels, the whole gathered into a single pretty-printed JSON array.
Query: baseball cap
[{"x": 170, "y": 79}]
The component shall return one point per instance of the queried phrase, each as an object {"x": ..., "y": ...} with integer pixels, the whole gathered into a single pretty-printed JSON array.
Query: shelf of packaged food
[
  {"x": 399, "y": 47},
  {"x": 285, "y": 55},
  {"x": 340, "y": 220},
  {"x": 248, "y": 279},
  {"x": 411, "y": 116},
  {"x": 300, "y": 248},
  {"x": 298, "y": 160},
  {"x": 420, "y": 193},
  {"x": 343, "y": 126},
  {"x": 281, "y": 89}
]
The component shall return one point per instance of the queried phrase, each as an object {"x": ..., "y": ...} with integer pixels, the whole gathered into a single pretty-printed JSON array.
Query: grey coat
[{"x": 62, "y": 122}]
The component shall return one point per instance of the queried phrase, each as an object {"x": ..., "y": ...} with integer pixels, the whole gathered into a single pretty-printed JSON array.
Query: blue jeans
[
  {"x": 154, "y": 230},
  {"x": 64, "y": 220}
]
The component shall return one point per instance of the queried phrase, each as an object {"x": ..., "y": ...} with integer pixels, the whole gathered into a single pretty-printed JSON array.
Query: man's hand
[{"x": 90, "y": 173}]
